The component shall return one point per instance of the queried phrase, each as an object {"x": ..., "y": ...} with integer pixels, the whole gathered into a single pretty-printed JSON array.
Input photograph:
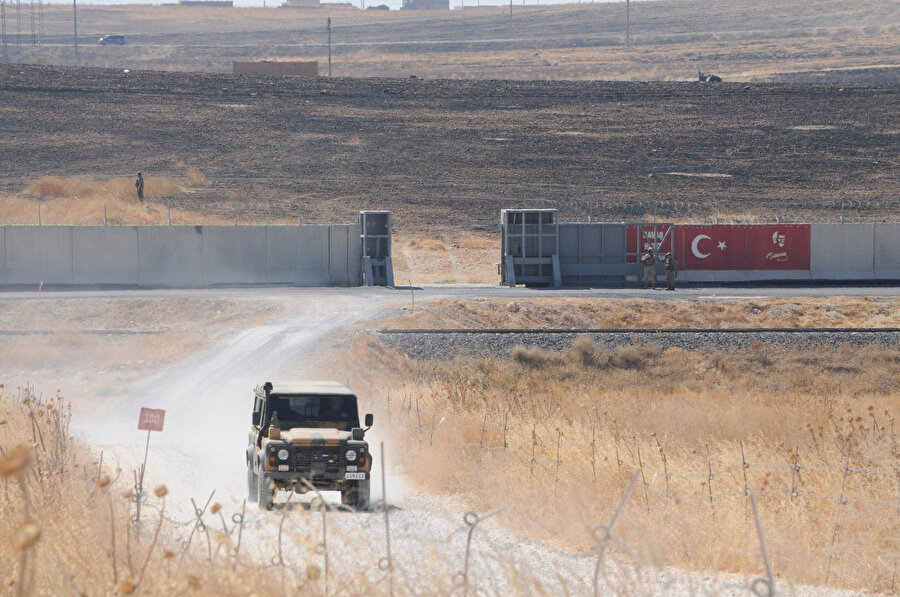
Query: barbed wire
[{"x": 641, "y": 465}]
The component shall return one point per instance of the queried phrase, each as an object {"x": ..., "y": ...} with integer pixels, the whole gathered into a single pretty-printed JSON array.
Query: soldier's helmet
[
  {"x": 140, "y": 174},
  {"x": 669, "y": 255}
]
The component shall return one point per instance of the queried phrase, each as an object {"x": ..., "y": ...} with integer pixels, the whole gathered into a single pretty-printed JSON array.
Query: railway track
[{"x": 539, "y": 331}]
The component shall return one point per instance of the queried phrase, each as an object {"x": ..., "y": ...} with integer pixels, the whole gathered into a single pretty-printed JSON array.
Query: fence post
[
  {"x": 104, "y": 214},
  {"x": 618, "y": 459},
  {"x": 794, "y": 469},
  {"x": 556, "y": 480},
  {"x": 418, "y": 421},
  {"x": 533, "y": 444},
  {"x": 665, "y": 471},
  {"x": 744, "y": 469},
  {"x": 643, "y": 479},
  {"x": 837, "y": 515},
  {"x": 593, "y": 453},
  {"x": 505, "y": 420},
  {"x": 710, "y": 477},
  {"x": 483, "y": 424}
]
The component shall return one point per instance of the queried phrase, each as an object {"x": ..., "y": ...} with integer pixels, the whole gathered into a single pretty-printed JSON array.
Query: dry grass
[
  {"x": 82, "y": 201},
  {"x": 69, "y": 523},
  {"x": 679, "y": 414},
  {"x": 469, "y": 259},
  {"x": 560, "y": 312},
  {"x": 66, "y": 527},
  {"x": 60, "y": 340}
]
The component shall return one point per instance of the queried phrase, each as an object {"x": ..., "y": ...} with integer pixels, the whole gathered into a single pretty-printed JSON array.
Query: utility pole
[
  {"x": 3, "y": 29},
  {"x": 329, "y": 47},
  {"x": 75, "y": 22},
  {"x": 33, "y": 32},
  {"x": 627, "y": 24},
  {"x": 18, "y": 29},
  {"x": 510, "y": 20}
]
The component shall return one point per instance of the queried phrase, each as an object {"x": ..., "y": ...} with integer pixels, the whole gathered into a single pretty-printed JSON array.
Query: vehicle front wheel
[
  {"x": 361, "y": 501},
  {"x": 252, "y": 484},
  {"x": 265, "y": 492}
]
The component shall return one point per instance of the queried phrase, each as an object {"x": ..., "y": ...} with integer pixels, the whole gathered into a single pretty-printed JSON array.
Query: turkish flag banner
[
  {"x": 778, "y": 247},
  {"x": 711, "y": 247},
  {"x": 151, "y": 419}
]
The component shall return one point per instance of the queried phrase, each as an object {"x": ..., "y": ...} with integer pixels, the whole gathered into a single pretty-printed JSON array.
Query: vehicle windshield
[{"x": 337, "y": 412}]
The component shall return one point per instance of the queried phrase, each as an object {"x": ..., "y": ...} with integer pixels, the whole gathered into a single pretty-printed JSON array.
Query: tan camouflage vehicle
[{"x": 307, "y": 431}]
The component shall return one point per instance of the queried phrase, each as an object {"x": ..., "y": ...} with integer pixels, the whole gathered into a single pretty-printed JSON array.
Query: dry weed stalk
[{"x": 704, "y": 428}]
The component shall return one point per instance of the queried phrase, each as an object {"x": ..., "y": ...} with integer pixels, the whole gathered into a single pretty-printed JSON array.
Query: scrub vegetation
[{"x": 556, "y": 437}]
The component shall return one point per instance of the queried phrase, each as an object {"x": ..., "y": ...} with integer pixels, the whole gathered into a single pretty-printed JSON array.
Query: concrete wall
[
  {"x": 842, "y": 252},
  {"x": 887, "y": 251},
  {"x": 180, "y": 256}
]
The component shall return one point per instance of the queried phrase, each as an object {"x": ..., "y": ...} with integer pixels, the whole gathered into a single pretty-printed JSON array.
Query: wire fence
[
  {"x": 550, "y": 459},
  {"x": 733, "y": 211}
]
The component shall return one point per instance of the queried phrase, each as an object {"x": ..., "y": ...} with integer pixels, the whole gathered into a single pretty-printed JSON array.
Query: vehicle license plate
[{"x": 351, "y": 476}]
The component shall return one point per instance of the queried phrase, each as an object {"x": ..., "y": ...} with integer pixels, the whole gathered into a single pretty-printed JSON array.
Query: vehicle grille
[{"x": 305, "y": 456}]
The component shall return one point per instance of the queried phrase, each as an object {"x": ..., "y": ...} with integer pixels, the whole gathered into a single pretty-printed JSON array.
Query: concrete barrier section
[
  {"x": 312, "y": 256},
  {"x": 887, "y": 251},
  {"x": 180, "y": 256},
  {"x": 842, "y": 252},
  {"x": 337, "y": 252},
  {"x": 36, "y": 254},
  {"x": 2, "y": 256},
  {"x": 105, "y": 255},
  {"x": 170, "y": 256},
  {"x": 773, "y": 275},
  {"x": 233, "y": 254}
]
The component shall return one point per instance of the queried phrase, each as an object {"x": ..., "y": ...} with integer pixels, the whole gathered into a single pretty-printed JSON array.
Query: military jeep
[{"x": 308, "y": 431}]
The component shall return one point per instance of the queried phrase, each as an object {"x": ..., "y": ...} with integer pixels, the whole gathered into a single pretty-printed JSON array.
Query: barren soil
[
  {"x": 838, "y": 40},
  {"x": 448, "y": 155}
]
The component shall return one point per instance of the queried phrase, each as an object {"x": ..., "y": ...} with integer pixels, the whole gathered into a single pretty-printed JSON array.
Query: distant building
[
  {"x": 216, "y": 3},
  {"x": 271, "y": 67},
  {"x": 301, "y": 4},
  {"x": 426, "y": 4}
]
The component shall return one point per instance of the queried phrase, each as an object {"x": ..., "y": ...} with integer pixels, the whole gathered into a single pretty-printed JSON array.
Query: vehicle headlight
[
  {"x": 351, "y": 455},
  {"x": 283, "y": 454}
]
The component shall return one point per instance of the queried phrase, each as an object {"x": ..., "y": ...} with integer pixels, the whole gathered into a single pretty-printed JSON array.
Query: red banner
[
  {"x": 778, "y": 247},
  {"x": 711, "y": 247},
  {"x": 640, "y": 238},
  {"x": 742, "y": 247}
]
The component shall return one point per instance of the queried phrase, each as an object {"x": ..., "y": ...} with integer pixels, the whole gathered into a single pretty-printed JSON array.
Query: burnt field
[{"x": 446, "y": 154}]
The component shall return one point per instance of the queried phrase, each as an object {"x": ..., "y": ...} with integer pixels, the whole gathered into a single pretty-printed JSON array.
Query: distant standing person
[
  {"x": 671, "y": 269},
  {"x": 139, "y": 186},
  {"x": 649, "y": 262}
]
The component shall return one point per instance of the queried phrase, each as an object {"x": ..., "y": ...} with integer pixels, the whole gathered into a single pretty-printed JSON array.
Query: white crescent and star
[{"x": 695, "y": 248}]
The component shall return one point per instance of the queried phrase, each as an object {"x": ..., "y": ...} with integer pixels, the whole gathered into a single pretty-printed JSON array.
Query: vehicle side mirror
[
  {"x": 369, "y": 420},
  {"x": 256, "y": 419}
]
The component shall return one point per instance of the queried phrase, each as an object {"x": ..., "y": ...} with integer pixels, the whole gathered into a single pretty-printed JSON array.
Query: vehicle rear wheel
[
  {"x": 265, "y": 492},
  {"x": 252, "y": 484}
]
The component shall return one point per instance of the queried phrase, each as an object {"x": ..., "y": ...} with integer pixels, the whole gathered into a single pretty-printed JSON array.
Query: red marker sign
[{"x": 151, "y": 419}]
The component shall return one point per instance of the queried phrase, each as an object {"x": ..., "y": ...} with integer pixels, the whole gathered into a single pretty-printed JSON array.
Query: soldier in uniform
[
  {"x": 139, "y": 186},
  {"x": 671, "y": 269},
  {"x": 649, "y": 263}
]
